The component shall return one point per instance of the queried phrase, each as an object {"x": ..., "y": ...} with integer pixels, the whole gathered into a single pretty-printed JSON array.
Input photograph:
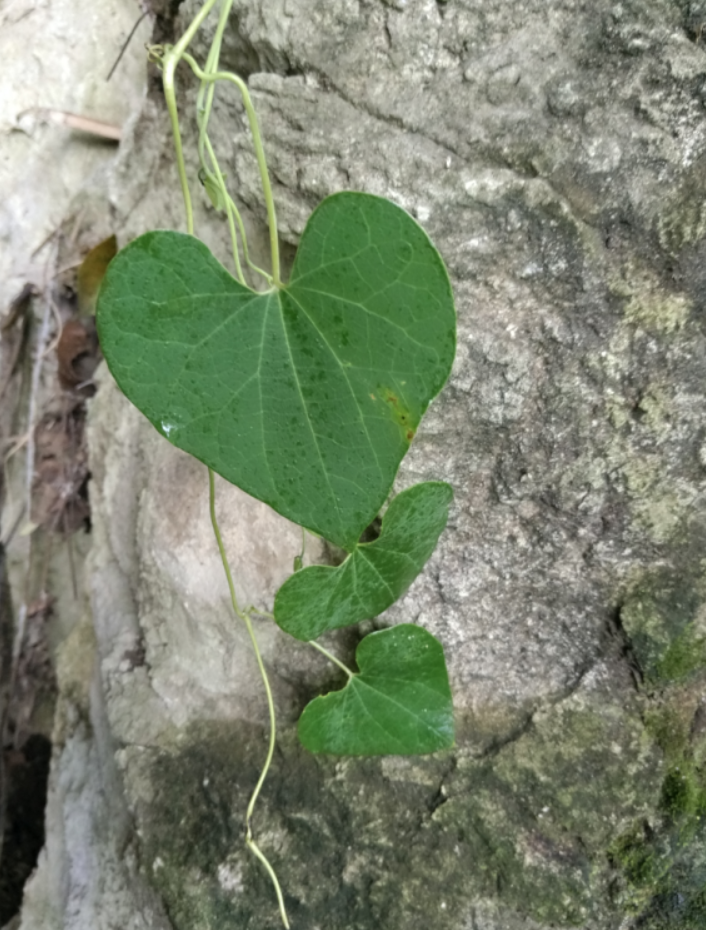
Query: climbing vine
[{"x": 307, "y": 395}]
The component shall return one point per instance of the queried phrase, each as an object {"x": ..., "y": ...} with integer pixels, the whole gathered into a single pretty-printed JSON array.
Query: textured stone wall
[{"x": 556, "y": 154}]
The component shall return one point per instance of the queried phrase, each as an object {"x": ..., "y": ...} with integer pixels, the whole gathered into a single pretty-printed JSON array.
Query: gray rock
[{"x": 555, "y": 153}]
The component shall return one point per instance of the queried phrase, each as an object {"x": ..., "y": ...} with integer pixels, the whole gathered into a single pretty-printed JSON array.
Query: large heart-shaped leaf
[
  {"x": 308, "y": 396},
  {"x": 374, "y": 575},
  {"x": 400, "y": 703}
]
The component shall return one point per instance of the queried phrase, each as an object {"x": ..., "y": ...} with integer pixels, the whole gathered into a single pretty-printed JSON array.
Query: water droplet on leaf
[{"x": 168, "y": 428}]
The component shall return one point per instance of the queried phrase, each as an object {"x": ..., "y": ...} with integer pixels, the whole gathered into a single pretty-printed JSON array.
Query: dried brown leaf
[
  {"x": 91, "y": 272},
  {"x": 78, "y": 354}
]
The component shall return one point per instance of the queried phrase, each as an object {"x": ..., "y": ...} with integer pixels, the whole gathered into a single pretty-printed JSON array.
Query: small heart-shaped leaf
[
  {"x": 308, "y": 396},
  {"x": 399, "y": 704},
  {"x": 374, "y": 575}
]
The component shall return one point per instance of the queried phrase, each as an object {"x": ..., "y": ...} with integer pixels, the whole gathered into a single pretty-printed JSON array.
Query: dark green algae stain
[
  {"x": 660, "y": 865},
  {"x": 592, "y": 815},
  {"x": 367, "y": 843},
  {"x": 675, "y": 847},
  {"x": 662, "y": 615},
  {"x": 543, "y": 811},
  {"x": 193, "y": 834},
  {"x": 660, "y": 861}
]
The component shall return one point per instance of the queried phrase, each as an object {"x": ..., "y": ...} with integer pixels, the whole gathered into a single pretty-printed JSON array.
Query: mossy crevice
[
  {"x": 664, "y": 616},
  {"x": 661, "y": 863},
  {"x": 353, "y": 841}
]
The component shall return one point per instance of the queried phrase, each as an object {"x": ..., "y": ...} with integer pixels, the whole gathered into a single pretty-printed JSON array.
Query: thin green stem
[
  {"x": 193, "y": 28},
  {"x": 243, "y": 239},
  {"x": 203, "y": 113},
  {"x": 331, "y": 658},
  {"x": 252, "y": 845},
  {"x": 203, "y": 110},
  {"x": 219, "y": 541},
  {"x": 259, "y": 154},
  {"x": 233, "y": 215},
  {"x": 261, "y": 613},
  {"x": 255, "y": 849},
  {"x": 229, "y": 209},
  {"x": 170, "y": 63},
  {"x": 171, "y": 58}
]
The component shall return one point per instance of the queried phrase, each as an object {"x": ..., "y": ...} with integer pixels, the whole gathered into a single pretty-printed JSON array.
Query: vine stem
[
  {"x": 229, "y": 211},
  {"x": 252, "y": 845},
  {"x": 259, "y": 154},
  {"x": 331, "y": 657},
  {"x": 232, "y": 213},
  {"x": 207, "y": 90},
  {"x": 170, "y": 60}
]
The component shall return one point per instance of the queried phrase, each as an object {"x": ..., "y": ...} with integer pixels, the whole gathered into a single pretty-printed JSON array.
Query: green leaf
[
  {"x": 374, "y": 575},
  {"x": 400, "y": 703},
  {"x": 306, "y": 397}
]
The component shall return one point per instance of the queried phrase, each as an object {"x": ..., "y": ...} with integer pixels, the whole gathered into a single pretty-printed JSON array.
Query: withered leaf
[
  {"x": 78, "y": 355},
  {"x": 91, "y": 272}
]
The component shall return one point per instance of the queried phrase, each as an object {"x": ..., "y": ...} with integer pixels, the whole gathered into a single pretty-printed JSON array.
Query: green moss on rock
[
  {"x": 642, "y": 867},
  {"x": 684, "y": 655},
  {"x": 684, "y": 792},
  {"x": 355, "y": 841},
  {"x": 663, "y": 618},
  {"x": 660, "y": 863},
  {"x": 538, "y": 817},
  {"x": 663, "y": 875}
]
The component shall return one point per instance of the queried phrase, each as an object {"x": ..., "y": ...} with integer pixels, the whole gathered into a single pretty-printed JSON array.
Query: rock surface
[{"x": 556, "y": 154}]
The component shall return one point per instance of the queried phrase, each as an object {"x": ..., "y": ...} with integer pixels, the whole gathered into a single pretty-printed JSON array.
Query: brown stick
[{"x": 95, "y": 127}]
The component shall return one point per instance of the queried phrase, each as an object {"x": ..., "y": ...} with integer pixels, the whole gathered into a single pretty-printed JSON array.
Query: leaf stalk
[{"x": 259, "y": 154}]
